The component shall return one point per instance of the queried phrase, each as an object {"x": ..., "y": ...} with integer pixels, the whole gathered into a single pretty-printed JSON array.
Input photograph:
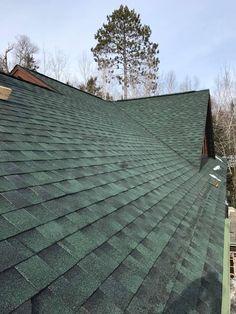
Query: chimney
[{"x": 5, "y": 92}]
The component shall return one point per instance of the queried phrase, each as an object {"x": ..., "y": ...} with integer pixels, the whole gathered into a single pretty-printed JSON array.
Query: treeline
[{"x": 125, "y": 64}]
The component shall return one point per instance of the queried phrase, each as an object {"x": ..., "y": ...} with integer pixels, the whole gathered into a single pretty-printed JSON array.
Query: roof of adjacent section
[
  {"x": 178, "y": 120},
  {"x": 100, "y": 213}
]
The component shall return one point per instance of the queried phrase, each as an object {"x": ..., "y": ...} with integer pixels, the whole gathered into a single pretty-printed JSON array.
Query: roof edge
[
  {"x": 164, "y": 95},
  {"x": 29, "y": 77},
  {"x": 77, "y": 89},
  {"x": 27, "y": 82}
]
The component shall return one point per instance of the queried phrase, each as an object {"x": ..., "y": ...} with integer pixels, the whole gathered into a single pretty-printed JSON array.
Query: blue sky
[{"x": 196, "y": 37}]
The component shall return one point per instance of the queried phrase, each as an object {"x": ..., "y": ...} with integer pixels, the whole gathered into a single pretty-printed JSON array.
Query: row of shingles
[
  {"x": 43, "y": 137},
  {"x": 29, "y": 238},
  {"x": 41, "y": 154},
  {"x": 40, "y": 137},
  {"x": 8, "y": 168},
  {"x": 39, "y": 181},
  {"x": 60, "y": 110},
  {"x": 78, "y": 284},
  {"x": 51, "y": 168},
  {"x": 187, "y": 285},
  {"x": 27, "y": 217},
  {"x": 178, "y": 225},
  {"x": 44, "y": 178},
  {"x": 85, "y": 199},
  {"x": 137, "y": 246},
  {"x": 18, "y": 156},
  {"x": 46, "y": 136},
  {"x": 63, "y": 136},
  {"x": 8, "y": 144},
  {"x": 29, "y": 124},
  {"x": 21, "y": 219},
  {"x": 33, "y": 122},
  {"x": 61, "y": 153},
  {"x": 4, "y": 172},
  {"x": 72, "y": 144}
]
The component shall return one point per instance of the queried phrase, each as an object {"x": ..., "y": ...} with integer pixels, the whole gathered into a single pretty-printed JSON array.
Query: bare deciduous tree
[
  {"x": 24, "y": 53},
  {"x": 86, "y": 67},
  {"x": 4, "y": 60},
  {"x": 189, "y": 84},
  {"x": 167, "y": 83},
  {"x": 170, "y": 82},
  {"x": 56, "y": 65},
  {"x": 224, "y": 117}
]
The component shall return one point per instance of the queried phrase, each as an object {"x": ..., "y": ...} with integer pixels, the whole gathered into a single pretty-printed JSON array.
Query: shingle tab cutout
[{"x": 99, "y": 212}]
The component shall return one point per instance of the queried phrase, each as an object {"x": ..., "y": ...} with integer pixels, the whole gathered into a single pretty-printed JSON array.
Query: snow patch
[
  {"x": 219, "y": 158},
  {"x": 214, "y": 177}
]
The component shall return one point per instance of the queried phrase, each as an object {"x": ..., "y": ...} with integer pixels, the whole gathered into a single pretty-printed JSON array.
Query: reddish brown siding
[{"x": 26, "y": 76}]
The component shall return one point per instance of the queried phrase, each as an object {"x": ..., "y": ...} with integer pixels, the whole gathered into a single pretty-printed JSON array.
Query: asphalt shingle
[{"x": 103, "y": 208}]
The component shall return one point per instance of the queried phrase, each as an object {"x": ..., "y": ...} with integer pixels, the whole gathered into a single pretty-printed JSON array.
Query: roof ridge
[
  {"x": 28, "y": 82},
  {"x": 87, "y": 93},
  {"x": 164, "y": 95},
  {"x": 60, "y": 82}
]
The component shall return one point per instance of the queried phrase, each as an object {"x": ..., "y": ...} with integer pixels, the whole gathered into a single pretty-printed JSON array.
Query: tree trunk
[
  {"x": 125, "y": 67},
  {"x": 125, "y": 81}
]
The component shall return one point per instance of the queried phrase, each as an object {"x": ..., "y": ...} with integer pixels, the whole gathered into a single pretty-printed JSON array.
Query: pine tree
[
  {"x": 91, "y": 87},
  {"x": 124, "y": 46}
]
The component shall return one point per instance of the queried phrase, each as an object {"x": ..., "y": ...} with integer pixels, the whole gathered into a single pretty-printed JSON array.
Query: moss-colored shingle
[{"x": 103, "y": 208}]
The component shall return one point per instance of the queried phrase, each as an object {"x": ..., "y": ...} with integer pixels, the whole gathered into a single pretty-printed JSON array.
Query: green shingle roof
[
  {"x": 161, "y": 116},
  {"x": 100, "y": 212}
]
